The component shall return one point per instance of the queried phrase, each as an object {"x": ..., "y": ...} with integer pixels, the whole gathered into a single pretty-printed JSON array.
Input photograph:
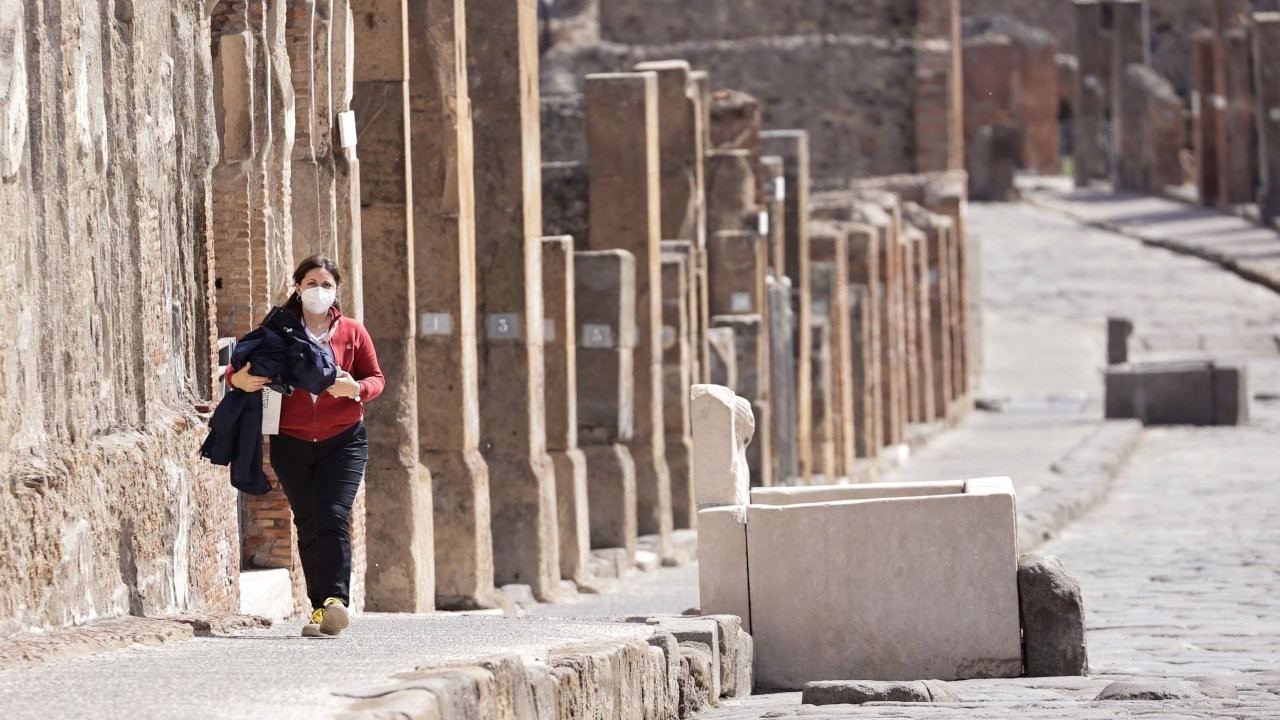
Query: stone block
[
  {"x": 731, "y": 191},
  {"x": 611, "y": 494},
  {"x": 1177, "y": 393},
  {"x": 1119, "y": 330},
  {"x": 604, "y": 300},
  {"x": 1266, "y": 63},
  {"x": 828, "y": 249},
  {"x": 1052, "y": 609},
  {"x": 723, "y": 426},
  {"x": 737, "y": 264},
  {"x": 946, "y": 608},
  {"x": 821, "y": 416},
  {"x": 677, "y": 376},
  {"x": 994, "y": 156}
]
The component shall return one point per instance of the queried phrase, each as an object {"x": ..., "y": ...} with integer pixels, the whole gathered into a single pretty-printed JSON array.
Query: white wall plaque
[
  {"x": 503, "y": 326},
  {"x": 347, "y": 129},
  {"x": 740, "y": 302},
  {"x": 548, "y": 330}
]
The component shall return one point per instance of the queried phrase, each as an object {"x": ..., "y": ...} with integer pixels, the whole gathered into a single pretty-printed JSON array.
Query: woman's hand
[
  {"x": 246, "y": 382},
  {"x": 345, "y": 386}
]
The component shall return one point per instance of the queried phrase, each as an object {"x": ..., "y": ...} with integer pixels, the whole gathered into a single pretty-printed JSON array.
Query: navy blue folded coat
[{"x": 281, "y": 350}]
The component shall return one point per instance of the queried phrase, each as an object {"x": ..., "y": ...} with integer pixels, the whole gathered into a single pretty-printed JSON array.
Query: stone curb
[
  {"x": 1085, "y": 475},
  {"x": 656, "y": 678},
  {"x": 1243, "y": 267},
  {"x": 34, "y": 650}
]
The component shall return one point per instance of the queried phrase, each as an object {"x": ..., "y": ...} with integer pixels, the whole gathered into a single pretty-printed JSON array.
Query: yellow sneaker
[
  {"x": 333, "y": 617},
  {"x": 312, "y": 629}
]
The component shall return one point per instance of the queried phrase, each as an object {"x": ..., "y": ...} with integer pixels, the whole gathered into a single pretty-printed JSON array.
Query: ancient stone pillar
[
  {"x": 1266, "y": 61},
  {"x": 346, "y": 162},
  {"x": 892, "y": 345},
  {"x": 782, "y": 380},
  {"x": 1093, "y": 49},
  {"x": 793, "y": 147},
  {"x": 864, "y": 273},
  {"x": 401, "y": 575},
  {"x": 680, "y": 157},
  {"x": 1130, "y": 38},
  {"x": 502, "y": 56},
  {"x": 921, "y": 339},
  {"x": 1242, "y": 148},
  {"x": 822, "y": 420},
  {"x": 937, "y": 230},
  {"x": 862, "y": 327},
  {"x": 560, "y": 368},
  {"x": 731, "y": 192},
  {"x": 738, "y": 268},
  {"x": 829, "y": 244},
  {"x": 444, "y": 220},
  {"x": 622, "y": 141},
  {"x": 677, "y": 378},
  {"x": 605, "y": 305},
  {"x": 775, "y": 208},
  {"x": 1207, "y": 105},
  {"x": 752, "y": 353}
]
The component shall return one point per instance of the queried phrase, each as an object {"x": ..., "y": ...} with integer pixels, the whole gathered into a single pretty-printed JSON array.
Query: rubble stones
[
  {"x": 1053, "y": 638},
  {"x": 857, "y": 692}
]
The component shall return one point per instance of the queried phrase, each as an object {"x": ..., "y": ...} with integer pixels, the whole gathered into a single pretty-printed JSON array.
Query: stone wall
[
  {"x": 858, "y": 118},
  {"x": 657, "y": 22},
  {"x": 108, "y": 139}
]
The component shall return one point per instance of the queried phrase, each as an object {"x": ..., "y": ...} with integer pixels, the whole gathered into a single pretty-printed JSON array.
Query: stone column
[
  {"x": 822, "y": 418},
  {"x": 724, "y": 357},
  {"x": 502, "y": 56},
  {"x": 1093, "y": 48},
  {"x": 921, "y": 340},
  {"x": 560, "y": 367},
  {"x": 948, "y": 199},
  {"x": 1206, "y": 108},
  {"x": 605, "y": 305},
  {"x": 864, "y": 272},
  {"x": 347, "y": 163},
  {"x": 622, "y": 141},
  {"x": 1130, "y": 38},
  {"x": 1242, "y": 148},
  {"x": 782, "y": 380},
  {"x": 1266, "y": 61},
  {"x": 862, "y": 328},
  {"x": 793, "y": 147},
  {"x": 775, "y": 208},
  {"x": 739, "y": 262},
  {"x": 752, "y": 353},
  {"x": 401, "y": 574},
  {"x": 937, "y": 230},
  {"x": 682, "y": 185},
  {"x": 892, "y": 350},
  {"x": 444, "y": 218},
  {"x": 731, "y": 192},
  {"x": 677, "y": 379},
  {"x": 828, "y": 244}
]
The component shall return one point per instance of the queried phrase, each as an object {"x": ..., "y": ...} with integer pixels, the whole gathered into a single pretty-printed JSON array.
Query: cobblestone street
[{"x": 1177, "y": 566}]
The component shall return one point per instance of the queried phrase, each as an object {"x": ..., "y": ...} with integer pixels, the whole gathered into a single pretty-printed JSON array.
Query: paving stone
[
  {"x": 1053, "y": 638},
  {"x": 857, "y": 692}
]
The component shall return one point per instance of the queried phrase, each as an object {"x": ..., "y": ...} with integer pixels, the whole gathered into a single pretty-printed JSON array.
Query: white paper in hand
[{"x": 271, "y": 411}]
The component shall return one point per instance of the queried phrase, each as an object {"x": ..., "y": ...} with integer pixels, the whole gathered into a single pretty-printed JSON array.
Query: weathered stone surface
[
  {"x": 677, "y": 369},
  {"x": 605, "y": 308},
  {"x": 994, "y": 155},
  {"x": 1159, "y": 690},
  {"x": 1186, "y": 393},
  {"x": 722, "y": 562},
  {"x": 1053, "y": 639},
  {"x": 821, "y": 416},
  {"x": 623, "y": 144},
  {"x": 857, "y": 692},
  {"x": 829, "y": 247},
  {"x": 723, "y": 427},
  {"x": 1118, "y": 332},
  {"x": 752, "y": 357},
  {"x": 946, "y": 608},
  {"x": 1092, "y": 42},
  {"x": 1155, "y": 133},
  {"x": 560, "y": 366}
]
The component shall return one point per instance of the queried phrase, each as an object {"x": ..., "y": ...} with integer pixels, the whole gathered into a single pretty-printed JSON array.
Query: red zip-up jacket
[{"x": 328, "y": 415}]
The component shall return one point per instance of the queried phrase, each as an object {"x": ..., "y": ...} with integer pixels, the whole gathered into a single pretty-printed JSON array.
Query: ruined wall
[
  {"x": 106, "y": 142},
  {"x": 875, "y": 83},
  {"x": 657, "y": 22},
  {"x": 855, "y": 95}
]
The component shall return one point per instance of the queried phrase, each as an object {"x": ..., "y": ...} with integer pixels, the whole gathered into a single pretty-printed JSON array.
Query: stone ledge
[
  {"x": 34, "y": 650},
  {"x": 684, "y": 667},
  {"x": 1086, "y": 473}
]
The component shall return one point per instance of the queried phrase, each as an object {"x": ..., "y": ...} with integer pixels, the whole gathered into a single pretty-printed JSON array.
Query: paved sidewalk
[{"x": 1239, "y": 245}]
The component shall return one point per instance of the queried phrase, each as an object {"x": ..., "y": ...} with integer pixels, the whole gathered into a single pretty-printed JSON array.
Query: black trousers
[{"x": 321, "y": 479}]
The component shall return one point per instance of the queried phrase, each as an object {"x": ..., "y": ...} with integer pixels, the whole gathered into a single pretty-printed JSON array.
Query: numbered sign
[
  {"x": 597, "y": 336},
  {"x": 548, "y": 330},
  {"x": 435, "y": 324},
  {"x": 740, "y": 302},
  {"x": 504, "y": 326}
]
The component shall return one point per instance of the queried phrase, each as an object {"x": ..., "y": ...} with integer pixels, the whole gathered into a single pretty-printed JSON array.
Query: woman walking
[{"x": 320, "y": 453}]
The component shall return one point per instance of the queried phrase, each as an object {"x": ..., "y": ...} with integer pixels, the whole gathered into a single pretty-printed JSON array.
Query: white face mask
[{"x": 318, "y": 299}]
